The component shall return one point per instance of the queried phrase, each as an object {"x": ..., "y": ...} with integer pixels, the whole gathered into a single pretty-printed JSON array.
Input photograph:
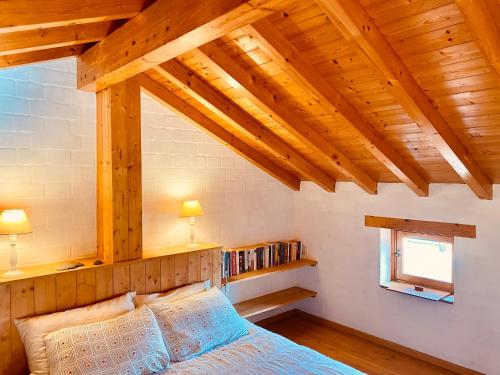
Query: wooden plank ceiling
[{"x": 329, "y": 90}]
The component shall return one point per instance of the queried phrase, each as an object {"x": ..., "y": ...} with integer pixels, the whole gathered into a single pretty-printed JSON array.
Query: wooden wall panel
[
  {"x": 206, "y": 265},
  {"x": 167, "y": 272},
  {"x": 181, "y": 262},
  {"x": 45, "y": 295},
  {"x": 85, "y": 287},
  {"x": 216, "y": 268},
  {"x": 22, "y": 305},
  {"x": 138, "y": 277},
  {"x": 5, "y": 332},
  {"x": 193, "y": 267},
  {"x": 48, "y": 293},
  {"x": 66, "y": 291},
  {"x": 153, "y": 275},
  {"x": 104, "y": 283},
  {"x": 121, "y": 279}
]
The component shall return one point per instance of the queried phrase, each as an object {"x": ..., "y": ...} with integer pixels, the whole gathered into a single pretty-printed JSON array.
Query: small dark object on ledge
[
  {"x": 97, "y": 262},
  {"x": 419, "y": 288}
]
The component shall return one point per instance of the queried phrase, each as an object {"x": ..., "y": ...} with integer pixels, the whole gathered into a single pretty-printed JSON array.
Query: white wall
[
  {"x": 47, "y": 166},
  {"x": 242, "y": 204},
  {"x": 347, "y": 277},
  {"x": 47, "y": 161}
]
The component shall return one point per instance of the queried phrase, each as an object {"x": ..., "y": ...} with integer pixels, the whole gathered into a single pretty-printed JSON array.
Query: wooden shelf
[
  {"x": 265, "y": 271},
  {"x": 272, "y": 301},
  {"x": 46, "y": 269}
]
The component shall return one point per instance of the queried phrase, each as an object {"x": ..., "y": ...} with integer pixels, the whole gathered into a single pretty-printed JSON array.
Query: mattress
[{"x": 260, "y": 352}]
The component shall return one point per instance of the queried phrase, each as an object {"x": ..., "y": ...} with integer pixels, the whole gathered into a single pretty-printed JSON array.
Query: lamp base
[
  {"x": 13, "y": 273},
  {"x": 192, "y": 245}
]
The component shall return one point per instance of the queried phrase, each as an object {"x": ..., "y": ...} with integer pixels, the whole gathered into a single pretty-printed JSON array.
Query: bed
[
  {"x": 260, "y": 352},
  {"x": 191, "y": 329}
]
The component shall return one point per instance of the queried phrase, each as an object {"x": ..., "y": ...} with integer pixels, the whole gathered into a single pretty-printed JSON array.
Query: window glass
[{"x": 427, "y": 258}]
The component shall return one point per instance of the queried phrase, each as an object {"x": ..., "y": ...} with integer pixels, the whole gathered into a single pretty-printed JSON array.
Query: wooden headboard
[{"x": 157, "y": 271}]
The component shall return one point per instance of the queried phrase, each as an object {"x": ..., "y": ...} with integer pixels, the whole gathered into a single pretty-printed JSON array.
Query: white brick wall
[
  {"x": 47, "y": 166},
  {"x": 182, "y": 162}
]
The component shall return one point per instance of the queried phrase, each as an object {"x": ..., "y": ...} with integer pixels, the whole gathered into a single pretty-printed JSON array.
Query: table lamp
[
  {"x": 14, "y": 222},
  {"x": 191, "y": 209}
]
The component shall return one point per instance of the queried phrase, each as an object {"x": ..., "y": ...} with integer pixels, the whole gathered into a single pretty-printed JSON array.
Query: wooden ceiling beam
[
  {"x": 191, "y": 114},
  {"x": 176, "y": 73},
  {"x": 356, "y": 25},
  {"x": 33, "y": 57},
  {"x": 284, "y": 53},
  {"x": 54, "y": 37},
  {"x": 19, "y": 15},
  {"x": 119, "y": 172},
  {"x": 483, "y": 18},
  {"x": 164, "y": 30},
  {"x": 221, "y": 63}
]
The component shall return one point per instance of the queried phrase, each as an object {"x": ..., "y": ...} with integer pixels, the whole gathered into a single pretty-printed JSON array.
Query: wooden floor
[{"x": 354, "y": 351}]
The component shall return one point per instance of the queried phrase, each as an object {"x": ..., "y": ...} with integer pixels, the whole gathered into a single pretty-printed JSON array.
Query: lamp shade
[
  {"x": 14, "y": 222},
  {"x": 191, "y": 208}
]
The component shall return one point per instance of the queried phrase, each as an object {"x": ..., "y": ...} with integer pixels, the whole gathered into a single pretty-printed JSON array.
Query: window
[
  {"x": 416, "y": 256},
  {"x": 424, "y": 260}
]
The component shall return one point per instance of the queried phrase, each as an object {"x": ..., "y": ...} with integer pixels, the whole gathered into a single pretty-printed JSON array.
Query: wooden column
[{"x": 119, "y": 184}]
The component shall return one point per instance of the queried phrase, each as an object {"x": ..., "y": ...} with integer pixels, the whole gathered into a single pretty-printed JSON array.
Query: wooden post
[{"x": 119, "y": 184}]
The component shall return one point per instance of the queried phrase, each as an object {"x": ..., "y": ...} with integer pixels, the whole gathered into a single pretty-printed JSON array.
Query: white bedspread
[{"x": 260, "y": 353}]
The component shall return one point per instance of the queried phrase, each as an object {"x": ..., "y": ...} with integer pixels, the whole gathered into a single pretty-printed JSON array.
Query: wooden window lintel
[{"x": 421, "y": 226}]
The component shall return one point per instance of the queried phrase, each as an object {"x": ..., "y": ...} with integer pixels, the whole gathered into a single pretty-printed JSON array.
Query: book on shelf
[{"x": 246, "y": 259}]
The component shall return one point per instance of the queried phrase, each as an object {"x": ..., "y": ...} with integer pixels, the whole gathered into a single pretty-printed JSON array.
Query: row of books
[{"x": 241, "y": 260}]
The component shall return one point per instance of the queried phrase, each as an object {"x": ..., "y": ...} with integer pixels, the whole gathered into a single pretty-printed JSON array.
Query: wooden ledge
[
  {"x": 178, "y": 249},
  {"x": 272, "y": 301},
  {"x": 420, "y": 226},
  {"x": 428, "y": 293},
  {"x": 46, "y": 269},
  {"x": 265, "y": 271}
]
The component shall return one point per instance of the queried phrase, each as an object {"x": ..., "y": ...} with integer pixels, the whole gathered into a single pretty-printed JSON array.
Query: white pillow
[
  {"x": 33, "y": 330},
  {"x": 129, "y": 344},
  {"x": 172, "y": 295},
  {"x": 195, "y": 324}
]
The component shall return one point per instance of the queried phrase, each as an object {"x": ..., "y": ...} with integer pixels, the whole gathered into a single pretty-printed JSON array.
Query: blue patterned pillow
[
  {"x": 129, "y": 344},
  {"x": 198, "y": 323}
]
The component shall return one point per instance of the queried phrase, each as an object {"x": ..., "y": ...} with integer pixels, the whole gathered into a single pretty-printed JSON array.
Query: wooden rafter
[
  {"x": 33, "y": 57},
  {"x": 356, "y": 25},
  {"x": 163, "y": 31},
  {"x": 19, "y": 15},
  {"x": 191, "y": 114},
  {"x": 226, "y": 67},
  {"x": 284, "y": 53},
  {"x": 40, "y": 39},
  {"x": 483, "y": 18},
  {"x": 176, "y": 73}
]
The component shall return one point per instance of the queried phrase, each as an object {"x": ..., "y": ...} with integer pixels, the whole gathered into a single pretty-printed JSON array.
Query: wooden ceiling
[{"x": 329, "y": 90}]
